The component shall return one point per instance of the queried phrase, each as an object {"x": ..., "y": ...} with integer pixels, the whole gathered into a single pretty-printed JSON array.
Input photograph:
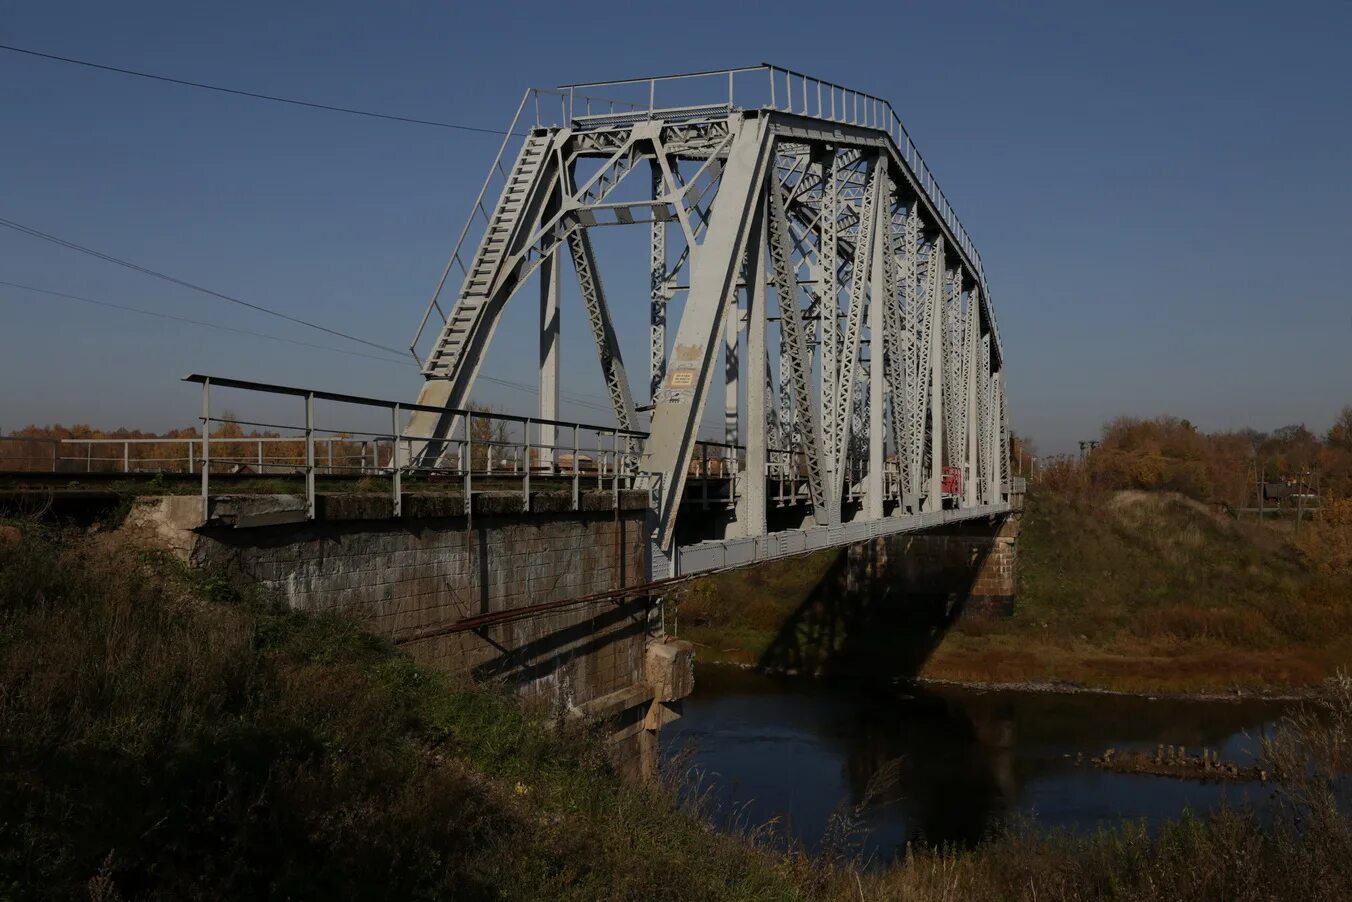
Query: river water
[{"x": 943, "y": 765}]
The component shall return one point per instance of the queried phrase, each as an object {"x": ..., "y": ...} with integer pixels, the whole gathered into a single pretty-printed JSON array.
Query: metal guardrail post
[
  {"x": 206, "y": 449},
  {"x": 309, "y": 455},
  {"x": 469, "y": 463},
  {"x": 525, "y": 488},
  {"x": 55, "y": 454},
  {"x": 126, "y": 457},
  {"x": 260, "y": 457},
  {"x": 395, "y": 470},
  {"x": 577, "y": 475},
  {"x": 704, "y": 472},
  {"x": 615, "y": 481}
]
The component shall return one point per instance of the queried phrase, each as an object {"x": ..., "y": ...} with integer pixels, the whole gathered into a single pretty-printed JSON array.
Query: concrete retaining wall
[{"x": 411, "y": 579}]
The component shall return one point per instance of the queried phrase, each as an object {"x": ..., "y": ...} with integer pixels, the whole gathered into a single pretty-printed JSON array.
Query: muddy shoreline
[
  {"x": 1237, "y": 695},
  {"x": 1052, "y": 688}
]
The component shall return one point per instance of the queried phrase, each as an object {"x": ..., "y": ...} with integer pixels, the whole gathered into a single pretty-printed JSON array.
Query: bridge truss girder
[{"x": 826, "y": 218}]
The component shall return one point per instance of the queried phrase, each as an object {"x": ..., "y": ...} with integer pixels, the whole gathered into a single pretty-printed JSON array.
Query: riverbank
[
  {"x": 1144, "y": 593},
  {"x": 164, "y": 736},
  {"x": 1153, "y": 593}
]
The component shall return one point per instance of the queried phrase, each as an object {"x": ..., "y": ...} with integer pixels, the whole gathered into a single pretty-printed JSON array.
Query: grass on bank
[
  {"x": 1131, "y": 591},
  {"x": 163, "y": 737},
  {"x": 1152, "y": 592}
]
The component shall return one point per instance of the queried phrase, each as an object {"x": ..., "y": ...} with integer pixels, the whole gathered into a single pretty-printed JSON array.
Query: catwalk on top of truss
[{"x": 796, "y": 229}]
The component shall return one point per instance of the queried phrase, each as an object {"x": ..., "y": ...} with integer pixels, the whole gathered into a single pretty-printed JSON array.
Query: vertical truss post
[
  {"x": 984, "y": 405},
  {"x": 828, "y": 263},
  {"x": 549, "y": 354},
  {"x": 751, "y": 501},
  {"x": 798, "y": 375},
  {"x": 934, "y": 270},
  {"x": 916, "y": 349},
  {"x": 713, "y": 272},
  {"x": 843, "y": 406},
  {"x": 970, "y": 342},
  {"x": 1002, "y": 434},
  {"x": 895, "y": 360},
  {"x": 786, "y": 419},
  {"x": 879, "y": 300},
  {"x": 657, "y": 310},
  {"x": 955, "y": 447},
  {"x": 732, "y": 330}
]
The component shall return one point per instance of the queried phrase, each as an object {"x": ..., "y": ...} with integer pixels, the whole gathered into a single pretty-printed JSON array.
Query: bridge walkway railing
[{"x": 486, "y": 451}]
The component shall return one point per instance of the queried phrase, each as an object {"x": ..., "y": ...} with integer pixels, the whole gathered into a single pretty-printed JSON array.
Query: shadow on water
[{"x": 965, "y": 762}]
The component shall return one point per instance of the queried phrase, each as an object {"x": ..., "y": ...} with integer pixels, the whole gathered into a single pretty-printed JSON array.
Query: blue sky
[{"x": 1160, "y": 191}]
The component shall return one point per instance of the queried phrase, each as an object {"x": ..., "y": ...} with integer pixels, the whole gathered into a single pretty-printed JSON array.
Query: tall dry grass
[{"x": 162, "y": 736}]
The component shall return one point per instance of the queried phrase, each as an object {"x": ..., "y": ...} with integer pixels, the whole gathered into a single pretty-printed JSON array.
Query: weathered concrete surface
[{"x": 412, "y": 579}]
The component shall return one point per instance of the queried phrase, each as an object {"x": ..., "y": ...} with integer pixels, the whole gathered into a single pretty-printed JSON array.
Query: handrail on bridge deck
[
  {"x": 491, "y": 447},
  {"x": 763, "y": 86},
  {"x": 480, "y": 440}
]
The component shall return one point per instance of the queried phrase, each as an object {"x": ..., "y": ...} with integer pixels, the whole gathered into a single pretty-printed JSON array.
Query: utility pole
[{"x": 1302, "y": 485}]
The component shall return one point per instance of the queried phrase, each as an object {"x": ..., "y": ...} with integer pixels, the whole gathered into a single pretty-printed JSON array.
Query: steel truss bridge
[{"x": 793, "y": 226}]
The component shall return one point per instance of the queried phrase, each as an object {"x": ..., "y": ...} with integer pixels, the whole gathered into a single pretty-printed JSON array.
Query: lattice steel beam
[{"x": 794, "y": 340}]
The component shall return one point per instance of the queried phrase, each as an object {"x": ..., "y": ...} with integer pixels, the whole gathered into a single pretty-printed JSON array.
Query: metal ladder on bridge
[{"x": 484, "y": 273}]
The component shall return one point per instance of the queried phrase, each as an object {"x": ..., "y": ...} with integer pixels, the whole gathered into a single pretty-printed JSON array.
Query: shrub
[{"x": 1326, "y": 541}]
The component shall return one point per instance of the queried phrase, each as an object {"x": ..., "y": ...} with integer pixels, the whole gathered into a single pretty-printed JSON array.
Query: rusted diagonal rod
[{"x": 482, "y": 620}]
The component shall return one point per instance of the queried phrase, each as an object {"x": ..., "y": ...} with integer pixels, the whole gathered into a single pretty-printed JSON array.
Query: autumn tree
[{"x": 1340, "y": 434}]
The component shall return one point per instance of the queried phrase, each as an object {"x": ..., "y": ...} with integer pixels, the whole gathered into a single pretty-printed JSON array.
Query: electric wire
[
  {"x": 197, "y": 322},
  {"x": 370, "y": 114},
  {"x": 571, "y": 397},
  {"x": 579, "y": 400},
  {"x": 54, "y": 239}
]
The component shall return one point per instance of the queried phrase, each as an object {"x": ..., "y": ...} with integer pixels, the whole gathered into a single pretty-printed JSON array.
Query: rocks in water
[{"x": 1173, "y": 761}]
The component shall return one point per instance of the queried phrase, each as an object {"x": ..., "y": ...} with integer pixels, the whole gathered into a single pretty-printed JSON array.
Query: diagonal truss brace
[
  {"x": 603, "y": 329},
  {"x": 794, "y": 341}
]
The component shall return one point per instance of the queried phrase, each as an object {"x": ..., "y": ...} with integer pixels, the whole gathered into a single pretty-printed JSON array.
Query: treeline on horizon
[
  {"x": 1163, "y": 453},
  {"x": 231, "y": 443},
  {"x": 1167, "y": 453},
  {"x": 141, "y": 453}
]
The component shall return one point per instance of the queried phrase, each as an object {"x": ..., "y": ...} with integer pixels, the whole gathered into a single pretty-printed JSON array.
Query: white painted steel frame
[{"x": 786, "y": 197}]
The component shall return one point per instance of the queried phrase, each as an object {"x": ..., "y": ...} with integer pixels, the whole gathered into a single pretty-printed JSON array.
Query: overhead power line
[
  {"x": 571, "y": 397},
  {"x": 198, "y": 322},
  {"x": 54, "y": 239},
  {"x": 370, "y": 114}
]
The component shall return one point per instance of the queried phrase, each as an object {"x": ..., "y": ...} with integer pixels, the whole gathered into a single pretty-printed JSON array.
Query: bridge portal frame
[{"x": 809, "y": 192}]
